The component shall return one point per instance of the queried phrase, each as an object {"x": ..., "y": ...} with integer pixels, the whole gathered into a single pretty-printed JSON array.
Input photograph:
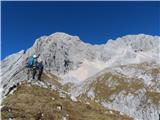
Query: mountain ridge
[{"x": 80, "y": 67}]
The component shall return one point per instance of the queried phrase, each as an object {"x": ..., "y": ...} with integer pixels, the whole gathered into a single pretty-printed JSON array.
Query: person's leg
[
  {"x": 28, "y": 73},
  {"x": 40, "y": 74},
  {"x": 34, "y": 73}
]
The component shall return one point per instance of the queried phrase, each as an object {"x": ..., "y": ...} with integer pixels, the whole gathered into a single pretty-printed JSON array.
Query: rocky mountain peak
[
  {"x": 63, "y": 36},
  {"x": 57, "y": 37},
  {"x": 136, "y": 42}
]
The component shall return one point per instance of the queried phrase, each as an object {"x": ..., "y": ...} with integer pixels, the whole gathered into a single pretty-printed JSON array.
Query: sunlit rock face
[
  {"x": 129, "y": 60},
  {"x": 61, "y": 52}
]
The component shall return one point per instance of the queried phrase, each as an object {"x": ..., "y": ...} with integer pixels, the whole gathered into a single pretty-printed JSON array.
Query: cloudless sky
[{"x": 94, "y": 22}]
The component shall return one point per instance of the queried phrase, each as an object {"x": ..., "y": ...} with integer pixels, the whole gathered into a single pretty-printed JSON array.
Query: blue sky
[{"x": 94, "y": 22}]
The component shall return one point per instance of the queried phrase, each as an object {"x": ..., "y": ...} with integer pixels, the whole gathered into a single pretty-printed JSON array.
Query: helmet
[{"x": 34, "y": 56}]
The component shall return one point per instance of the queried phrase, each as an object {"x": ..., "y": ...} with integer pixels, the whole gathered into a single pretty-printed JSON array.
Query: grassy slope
[
  {"x": 123, "y": 83},
  {"x": 29, "y": 102},
  {"x": 103, "y": 91}
]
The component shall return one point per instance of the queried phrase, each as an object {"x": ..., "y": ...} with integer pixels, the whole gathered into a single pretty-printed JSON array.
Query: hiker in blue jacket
[{"x": 32, "y": 65}]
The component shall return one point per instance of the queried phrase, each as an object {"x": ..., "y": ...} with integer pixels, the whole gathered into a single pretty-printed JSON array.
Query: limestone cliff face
[{"x": 122, "y": 74}]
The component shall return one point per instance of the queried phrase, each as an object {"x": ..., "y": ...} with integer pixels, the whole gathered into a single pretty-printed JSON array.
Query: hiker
[
  {"x": 40, "y": 69},
  {"x": 32, "y": 65}
]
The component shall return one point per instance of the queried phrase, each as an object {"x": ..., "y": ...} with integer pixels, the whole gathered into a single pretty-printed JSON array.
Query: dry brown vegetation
[
  {"x": 51, "y": 78},
  {"x": 103, "y": 91},
  {"x": 153, "y": 96},
  {"x": 35, "y": 103}
]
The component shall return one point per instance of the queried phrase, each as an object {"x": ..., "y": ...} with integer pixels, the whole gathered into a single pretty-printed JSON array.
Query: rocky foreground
[{"x": 31, "y": 102}]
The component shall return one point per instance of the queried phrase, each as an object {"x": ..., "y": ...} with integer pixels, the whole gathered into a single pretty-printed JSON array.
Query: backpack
[{"x": 31, "y": 62}]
